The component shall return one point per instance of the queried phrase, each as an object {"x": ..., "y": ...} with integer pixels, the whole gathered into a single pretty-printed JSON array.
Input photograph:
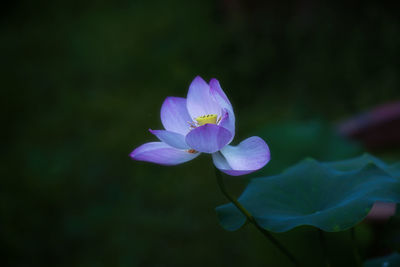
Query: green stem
[
  {"x": 355, "y": 248},
  {"x": 251, "y": 219},
  {"x": 324, "y": 247}
]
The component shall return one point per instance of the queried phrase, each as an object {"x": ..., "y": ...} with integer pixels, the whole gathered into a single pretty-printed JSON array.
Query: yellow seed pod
[{"x": 211, "y": 118}]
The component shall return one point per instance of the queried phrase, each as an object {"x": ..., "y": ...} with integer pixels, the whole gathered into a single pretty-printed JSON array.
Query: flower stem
[
  {"x": 251, "y": 219},
  {"x": 324, "y": 247},
  {"x": 355, "y": 248}
]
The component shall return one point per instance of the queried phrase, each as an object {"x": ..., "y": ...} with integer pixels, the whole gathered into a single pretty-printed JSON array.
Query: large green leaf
[
  {"x": 331, "y": 196},
  {"x": 392, "y": 260}
]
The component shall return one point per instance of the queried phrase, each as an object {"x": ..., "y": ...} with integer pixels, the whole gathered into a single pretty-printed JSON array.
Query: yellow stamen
[{"x": 211, "y": 118}]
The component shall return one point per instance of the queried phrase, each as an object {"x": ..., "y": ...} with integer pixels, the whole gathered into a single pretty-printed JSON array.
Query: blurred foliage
[
  {"x": 292, "y": 141},
  {"x": 391, "y": 260},
  {"x": 83, "y": 81}
]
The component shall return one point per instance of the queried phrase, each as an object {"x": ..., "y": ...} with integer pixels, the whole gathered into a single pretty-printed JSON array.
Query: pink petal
[
  {"x": 381, "y": 211},
  {"x": 208, "y": 138},
  {"x": 228, "y": 123},
  {"x": 174, "y": 115},
  {"x": 250, "y": 155},
  {"x": 200, "y": 102},
  {"x": 161, "y": 153},
  {"x": 219, "y": 95},
  {"x": 171, "y": 138}
]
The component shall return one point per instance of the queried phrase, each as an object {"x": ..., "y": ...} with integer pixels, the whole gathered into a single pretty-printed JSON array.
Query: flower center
[{"x": 211, "y": 118}]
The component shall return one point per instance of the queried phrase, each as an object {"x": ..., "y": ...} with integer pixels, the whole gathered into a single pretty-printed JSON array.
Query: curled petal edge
[{"x": 250, "y": 155}]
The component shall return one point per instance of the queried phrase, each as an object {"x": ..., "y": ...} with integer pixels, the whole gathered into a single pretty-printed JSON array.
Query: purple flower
[{"x": 203, "y": 123}]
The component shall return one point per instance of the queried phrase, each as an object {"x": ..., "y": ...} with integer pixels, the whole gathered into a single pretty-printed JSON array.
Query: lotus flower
[{"x": 204, "y": 122}]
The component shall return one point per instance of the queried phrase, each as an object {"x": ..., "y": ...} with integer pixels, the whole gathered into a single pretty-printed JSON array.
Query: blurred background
[{"x": 83, "y": 81}]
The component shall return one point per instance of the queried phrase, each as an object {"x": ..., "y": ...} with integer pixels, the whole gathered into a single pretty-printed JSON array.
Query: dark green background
[{"x": 82, "y": 81}]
